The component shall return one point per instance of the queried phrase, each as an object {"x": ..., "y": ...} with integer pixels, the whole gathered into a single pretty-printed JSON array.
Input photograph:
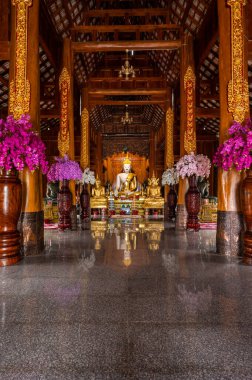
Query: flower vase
[
  {"x": 247, "y": 212},
  {"x": 64, "y": 199},
  {"x": 192, "y": 201},
  {"x": 85, "y": 203},
  {"x": 10, "y": 208},
  {"x": 172, "y": 202}
]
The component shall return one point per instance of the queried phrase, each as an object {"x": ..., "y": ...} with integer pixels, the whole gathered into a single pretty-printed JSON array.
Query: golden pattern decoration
[
  {"x": 84, "y": 160},
  {"x": 238, "y": 91},
  {"x": 20, "y": 88},
  {"x": 63, "y": 136},
  {"x": 169, "y": 159},
  {"x": 190, "y": 133}
]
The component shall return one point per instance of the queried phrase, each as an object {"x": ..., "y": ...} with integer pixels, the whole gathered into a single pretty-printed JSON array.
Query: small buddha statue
[
  {"x": 98, "y": 191},
  {"x": 126, "y": 181},
  {"x": 153, "y": 189}
]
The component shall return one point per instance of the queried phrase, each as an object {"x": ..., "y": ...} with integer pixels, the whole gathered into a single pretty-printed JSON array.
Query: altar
[{"x": 127, "y": 196}]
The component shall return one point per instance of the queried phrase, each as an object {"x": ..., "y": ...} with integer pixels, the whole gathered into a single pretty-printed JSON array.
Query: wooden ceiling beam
[
  {"x": 83, "y": 47},
  {"x": 210, "y": 113},
  {"x": 127, "y": 12},
  {"x": 136, "y": 79},
  {"x": 50, "y": 114},
  {"x": 124, "y": 28},
  {"x": 95, "y": 102},
  {"x": 128, "y": 92}
]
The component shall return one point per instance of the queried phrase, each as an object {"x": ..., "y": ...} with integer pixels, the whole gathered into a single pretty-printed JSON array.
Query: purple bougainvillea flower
[
  {"x": 236, "y": 151},
  {"x": 21, "y": 147},
  {"x": 64, "y": 168}
]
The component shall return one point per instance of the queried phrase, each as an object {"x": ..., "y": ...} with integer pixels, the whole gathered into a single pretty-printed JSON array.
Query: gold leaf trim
[
  {"x": 238, "y": 91},
  {"x": 169, "y": 161},
  {"x": 20, "y": 88},
  {"x": 190, "y": 133},
  {"x": 63, "y": 136},
  {"x": 84, "y": 160}
]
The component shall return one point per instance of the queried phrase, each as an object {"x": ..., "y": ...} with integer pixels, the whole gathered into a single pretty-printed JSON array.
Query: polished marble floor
[{"x": 127, "y": 300}]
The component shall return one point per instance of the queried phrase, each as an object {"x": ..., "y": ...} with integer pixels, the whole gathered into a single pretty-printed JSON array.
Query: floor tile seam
[
  {"x": 42, "y": 324},
  {"x": 33, "y": 296},
  {"x": 40, "y": 277},
  {"x": 125, "y": 323},
  {"x": 192, "y": 324}
]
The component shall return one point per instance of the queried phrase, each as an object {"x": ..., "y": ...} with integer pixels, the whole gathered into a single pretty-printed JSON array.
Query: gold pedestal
[
  {"x": 99, "y": 206},
  {"x": 154, "y": 206}
]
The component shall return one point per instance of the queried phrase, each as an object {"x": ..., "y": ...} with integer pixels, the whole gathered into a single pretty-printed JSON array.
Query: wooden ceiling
[{"x": 101, "y": 30}]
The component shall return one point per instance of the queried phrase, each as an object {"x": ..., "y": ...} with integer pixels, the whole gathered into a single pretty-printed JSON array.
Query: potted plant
[
  {"x": 64, "y": 170},
  {"x": 170, "y": 177},
  {"x": 88, "y": 177},
  {"x": 20, "y": 147},
  {"x": 236, "y": 153},
  {"x": 192, "y": 166}
]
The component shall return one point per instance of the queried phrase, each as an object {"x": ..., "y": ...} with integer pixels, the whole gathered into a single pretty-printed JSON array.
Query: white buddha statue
[{"x": 126, "y": 182}]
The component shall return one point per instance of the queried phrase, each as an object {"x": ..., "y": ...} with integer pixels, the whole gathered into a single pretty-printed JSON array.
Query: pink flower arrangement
[
  {"x": 20, "y": 147},
  {"x": 192, "y": 164},
  {"x": 236, "y": 151},
  {"x": 64, "y": 168}
]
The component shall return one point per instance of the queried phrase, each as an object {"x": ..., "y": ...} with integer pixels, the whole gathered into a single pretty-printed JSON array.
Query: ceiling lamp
[
  {"x": 126, "y": 119},
  {"x": 127, "y": 69}
]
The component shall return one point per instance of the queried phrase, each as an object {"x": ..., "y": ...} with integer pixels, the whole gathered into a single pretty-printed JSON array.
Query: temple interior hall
[{"x": 125, "y": 189}]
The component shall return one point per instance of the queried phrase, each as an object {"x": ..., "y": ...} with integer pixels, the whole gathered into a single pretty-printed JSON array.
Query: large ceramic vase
[
  {"x": 64, "y": 199},
  {"x": 85, "y": 203},
  {"x": 172, "y": 200},
  {"x": 192, "y": 200},
  {"x": 10, "y": 208},
  {"x": 247, "y": 212}
]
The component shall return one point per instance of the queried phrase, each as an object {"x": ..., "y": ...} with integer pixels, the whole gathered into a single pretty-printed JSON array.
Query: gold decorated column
[
  {"x": 169, "y": 153},
  {"x": 66, "y": 131},
  {"x": 169, "y": 121},
  {"x": 234, "y": 105},
  {"x": 24, "y": 98},
  {"x": 152, "y": 158},
  {"x": 85, "y": 131},
  {"x": 187, "y": 120},
  {"x": 169, "y": 135}
]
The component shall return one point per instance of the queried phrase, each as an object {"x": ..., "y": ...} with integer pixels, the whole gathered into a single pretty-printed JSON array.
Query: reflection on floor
[{"x": 127, "y": 300}]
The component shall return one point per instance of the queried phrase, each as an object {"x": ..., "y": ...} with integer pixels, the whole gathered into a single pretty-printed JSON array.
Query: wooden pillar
[
  {"x": 85, "y": 131},
  {"x": 4, "y": 29},
  {"x": 99, "y": 158},
  {"x": 187, "y": 120},
  {"x": 66, "y": 132},
  {"x": 169, "y": 135},
  {"x": 24, "y": 98},
  {"x": 233, "y": 106},
  {"x": 152, "y": 158}
]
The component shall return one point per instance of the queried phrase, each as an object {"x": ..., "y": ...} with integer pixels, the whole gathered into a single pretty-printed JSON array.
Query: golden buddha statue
[
  {"x": 126, "y": 181},
  {"x": 98, "y": 191},
  {"x": 98, "y": 198},
  {"x": 153, "y": 189},
  {"x": 153, "y": 200}
]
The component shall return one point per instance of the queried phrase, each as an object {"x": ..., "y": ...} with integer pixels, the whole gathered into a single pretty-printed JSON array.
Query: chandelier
[
  {"x": 126, "y": 119},
  {"x": 127, "y": 69}
]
